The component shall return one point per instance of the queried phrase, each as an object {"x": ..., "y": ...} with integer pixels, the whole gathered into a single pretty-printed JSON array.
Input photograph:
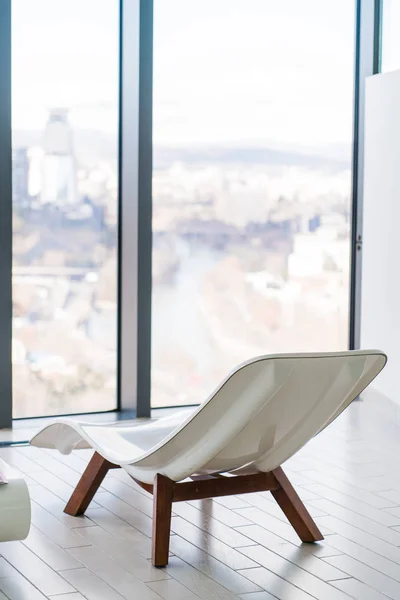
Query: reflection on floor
[{"x": 236, "y": 547}]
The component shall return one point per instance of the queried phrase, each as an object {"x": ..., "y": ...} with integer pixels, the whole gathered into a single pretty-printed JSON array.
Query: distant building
[
  {"x": 20, "y": 177},
  {"x": 35, "y": 156},
  {"x": 59, "y": 173}
]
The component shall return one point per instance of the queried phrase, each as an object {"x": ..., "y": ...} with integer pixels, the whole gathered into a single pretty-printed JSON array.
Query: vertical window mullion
[
  {"x": 135, "y": 206},
  {"x": 5, "y": 217},
  {"x": 366, "y": 64}
]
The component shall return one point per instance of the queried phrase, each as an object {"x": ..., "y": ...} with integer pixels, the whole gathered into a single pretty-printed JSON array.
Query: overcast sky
[{"x": 225, "y": 70}]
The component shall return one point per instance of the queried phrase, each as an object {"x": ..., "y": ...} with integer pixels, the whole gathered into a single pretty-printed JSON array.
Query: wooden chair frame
[{"x": 165, "y": 492}]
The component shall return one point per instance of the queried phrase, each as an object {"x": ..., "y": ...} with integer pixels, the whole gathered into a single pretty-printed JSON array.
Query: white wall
[{"x": 380, "y": 309}]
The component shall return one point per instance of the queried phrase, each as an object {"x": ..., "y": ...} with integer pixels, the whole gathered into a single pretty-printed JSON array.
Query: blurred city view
[
  {"x": 65, "y": 205},
  {"x": 251, "y": 186},
  {"x": 251, "y": 194},
  {"x": 250, "y": 256},
  {"x": 64, "y": 270}
]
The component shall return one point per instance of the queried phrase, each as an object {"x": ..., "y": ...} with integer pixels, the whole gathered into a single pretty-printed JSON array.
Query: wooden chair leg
[
  {"x": 294, "y": 509},
  {"x": 162, "y": 508},
  {"x": 88, "y": 485}
]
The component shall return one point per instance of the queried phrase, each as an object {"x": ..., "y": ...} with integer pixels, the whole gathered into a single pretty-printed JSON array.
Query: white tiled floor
[{"x": 236, "y": 547}]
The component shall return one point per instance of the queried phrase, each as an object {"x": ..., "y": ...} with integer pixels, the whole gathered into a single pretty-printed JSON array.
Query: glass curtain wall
[
  {"x": 65, "y": 88},
  {"x": 252, "y": 150},
  {"x": 252, "y": 133}
]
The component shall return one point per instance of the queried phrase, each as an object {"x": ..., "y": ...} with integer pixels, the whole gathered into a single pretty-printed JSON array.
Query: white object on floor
[
  {"x": 15, "y": 505},
  {"x": 263, "y": 413}
]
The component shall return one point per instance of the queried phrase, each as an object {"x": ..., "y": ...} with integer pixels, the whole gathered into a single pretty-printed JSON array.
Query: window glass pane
[
  {"x": 65, "y": 186},
  {"x": 390, "y": 52},
  {"x": 253, "y": 110}
]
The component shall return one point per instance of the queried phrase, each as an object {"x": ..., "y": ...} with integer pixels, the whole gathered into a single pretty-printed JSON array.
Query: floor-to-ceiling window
[
  {"x": 253, "y": 110},
  {"x": 65, "y": 82},
  {"x": 252, "y": 190}
]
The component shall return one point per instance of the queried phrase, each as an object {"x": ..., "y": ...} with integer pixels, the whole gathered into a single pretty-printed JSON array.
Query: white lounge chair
[{"x": 233, "y": 443}]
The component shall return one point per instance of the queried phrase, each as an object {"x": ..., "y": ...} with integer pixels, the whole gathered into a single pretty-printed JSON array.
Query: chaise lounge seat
[{"x": 233, "y": 443}]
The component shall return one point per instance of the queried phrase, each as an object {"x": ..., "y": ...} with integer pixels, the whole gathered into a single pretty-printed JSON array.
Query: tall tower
[
  {"x": 20, "y": 175},
  {"x": 59, "y": 182}
]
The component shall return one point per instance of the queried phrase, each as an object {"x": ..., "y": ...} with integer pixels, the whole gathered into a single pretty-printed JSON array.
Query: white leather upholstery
[{"x": 263, "y": 413}]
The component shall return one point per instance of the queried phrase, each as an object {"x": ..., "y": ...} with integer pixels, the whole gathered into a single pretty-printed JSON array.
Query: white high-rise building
[{"x": 59, "y": 178}]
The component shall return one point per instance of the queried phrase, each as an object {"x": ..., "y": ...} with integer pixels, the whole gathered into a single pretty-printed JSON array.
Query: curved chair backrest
[{"x": 265, "y": 411}]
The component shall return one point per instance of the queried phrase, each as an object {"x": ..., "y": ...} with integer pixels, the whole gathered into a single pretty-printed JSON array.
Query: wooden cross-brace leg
[
  {"x": 165, "y": 492},
  {"x": 294, "y": 509},
  {"x": 88, "y": 485},
  {"x": 162, "y": 509}
]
